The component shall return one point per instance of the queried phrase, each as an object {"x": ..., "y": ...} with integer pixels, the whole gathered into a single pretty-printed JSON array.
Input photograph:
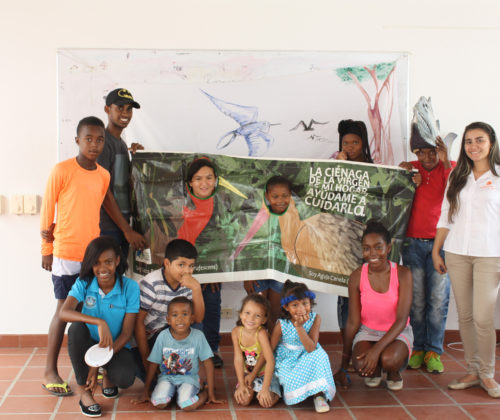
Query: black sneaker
[{"x": 217, "y": 361}]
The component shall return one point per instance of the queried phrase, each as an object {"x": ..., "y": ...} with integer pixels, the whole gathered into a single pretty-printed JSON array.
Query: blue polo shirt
[{"x": 111, "y": 307}]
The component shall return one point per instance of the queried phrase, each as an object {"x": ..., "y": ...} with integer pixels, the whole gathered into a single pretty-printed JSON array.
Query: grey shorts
[{"x": 367, "y": 334}]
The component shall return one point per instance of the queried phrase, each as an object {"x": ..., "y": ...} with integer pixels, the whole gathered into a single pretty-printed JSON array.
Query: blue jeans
[
  {"x": 342, "y": 311},
  {"x": 264, "y": 285},
  {"x": 211, "y": 322},
  {"x": 431, "y": 294}
]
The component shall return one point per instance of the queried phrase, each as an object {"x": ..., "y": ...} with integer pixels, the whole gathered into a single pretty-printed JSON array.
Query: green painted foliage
[{"x": 382, "y": 71}]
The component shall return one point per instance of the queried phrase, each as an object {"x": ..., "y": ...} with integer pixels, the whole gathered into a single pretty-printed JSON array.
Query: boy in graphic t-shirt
[{"x": 177, "y": 351}]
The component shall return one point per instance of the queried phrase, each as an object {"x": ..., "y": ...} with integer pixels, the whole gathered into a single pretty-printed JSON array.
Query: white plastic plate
[{"x": 98, "y": 356}]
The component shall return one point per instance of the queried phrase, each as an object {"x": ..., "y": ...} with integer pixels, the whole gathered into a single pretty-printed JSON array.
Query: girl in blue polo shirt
[{"x": 110, "y": 304}]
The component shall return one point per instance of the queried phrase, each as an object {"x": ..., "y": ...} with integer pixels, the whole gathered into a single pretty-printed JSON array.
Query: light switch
[
  {"x": 30, "y": 206},
  {"x": 16, "y": 204}
]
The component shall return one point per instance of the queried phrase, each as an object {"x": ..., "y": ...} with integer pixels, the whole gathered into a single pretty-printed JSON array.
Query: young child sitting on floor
[
  {"x": 177, "y": 351},
  {"x": 253, "y": 356},
  {"x": 302, "y": 366}
]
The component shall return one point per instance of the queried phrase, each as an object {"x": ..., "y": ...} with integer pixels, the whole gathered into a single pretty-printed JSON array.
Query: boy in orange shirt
[{"x": 78, "y": 187}]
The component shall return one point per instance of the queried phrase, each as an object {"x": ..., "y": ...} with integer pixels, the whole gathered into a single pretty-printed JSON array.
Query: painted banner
[
  {"x": 280, "y": 104},
  {"x": 317, "y": 239}
]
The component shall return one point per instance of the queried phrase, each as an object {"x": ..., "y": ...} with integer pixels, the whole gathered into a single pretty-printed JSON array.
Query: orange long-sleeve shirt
[{"x": 79, "y": 194}]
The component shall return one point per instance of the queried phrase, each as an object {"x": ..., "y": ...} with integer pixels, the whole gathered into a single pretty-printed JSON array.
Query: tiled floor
[{"x": 424, "y": 396}]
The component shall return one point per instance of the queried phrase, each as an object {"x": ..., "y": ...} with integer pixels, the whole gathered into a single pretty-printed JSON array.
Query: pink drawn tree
[{"x": 382, "y": 76}]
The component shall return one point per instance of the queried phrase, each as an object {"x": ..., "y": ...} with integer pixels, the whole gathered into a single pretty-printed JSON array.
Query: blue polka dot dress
[{"x": 302, "y": 374}]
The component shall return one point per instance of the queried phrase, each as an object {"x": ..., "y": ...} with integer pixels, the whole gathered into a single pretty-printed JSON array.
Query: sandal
[
  {"x": 395, "y": 385},
  {"x": 93, "y": 410},
  {"x": 320, "y": 404},
  {"x": 373, "y": 382},
  {"x": 347, "y": 377},
  {"x": 51, "y": 388}
]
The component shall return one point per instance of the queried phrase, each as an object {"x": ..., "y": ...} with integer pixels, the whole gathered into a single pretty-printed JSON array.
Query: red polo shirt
[{"x": 427, "y": 202}]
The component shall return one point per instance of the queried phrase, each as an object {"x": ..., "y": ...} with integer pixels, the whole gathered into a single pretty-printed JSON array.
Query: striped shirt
[{"x": 156, "y": 294}]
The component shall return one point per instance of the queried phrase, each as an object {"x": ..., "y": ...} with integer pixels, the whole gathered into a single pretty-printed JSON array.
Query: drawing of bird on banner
[
  {"x": 255, "y": 132},
  {"x": 308, "y": 127}
]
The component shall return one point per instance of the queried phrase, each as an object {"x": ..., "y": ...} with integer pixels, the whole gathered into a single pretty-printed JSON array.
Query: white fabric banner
[{"x": 246, "y": 103}]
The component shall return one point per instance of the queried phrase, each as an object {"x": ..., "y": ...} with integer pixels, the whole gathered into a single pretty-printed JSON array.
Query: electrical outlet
[
  {"x": 16, "y": 204},
  {"x": 29, "y": 202},
  {"x": 226, "y": 313}
]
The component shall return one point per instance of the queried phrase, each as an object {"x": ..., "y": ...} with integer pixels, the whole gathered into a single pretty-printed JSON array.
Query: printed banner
[{"x": 317, "y": 239}]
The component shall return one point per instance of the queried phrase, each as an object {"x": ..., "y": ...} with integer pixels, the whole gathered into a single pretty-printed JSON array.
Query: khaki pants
[{"x": 475, "y": 282}]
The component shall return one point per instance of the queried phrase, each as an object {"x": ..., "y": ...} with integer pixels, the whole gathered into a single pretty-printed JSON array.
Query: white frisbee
[{"x": 98, "y": 356}]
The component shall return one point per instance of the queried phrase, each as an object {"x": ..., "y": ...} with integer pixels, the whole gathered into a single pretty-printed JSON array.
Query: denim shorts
[
  {"x": 63, "y": 284},
  {"x": 268, "y": 284}
]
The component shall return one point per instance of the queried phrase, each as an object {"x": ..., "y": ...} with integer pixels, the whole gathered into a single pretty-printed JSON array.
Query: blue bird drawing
[{"x": 255, "y": 132}]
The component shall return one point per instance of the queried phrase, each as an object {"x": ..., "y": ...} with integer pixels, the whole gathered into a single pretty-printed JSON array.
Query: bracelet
[{"x": 346, "y": 355}]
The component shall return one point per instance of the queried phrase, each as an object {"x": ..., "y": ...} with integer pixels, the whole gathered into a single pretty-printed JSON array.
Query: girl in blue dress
[{"x": 302, "y": 366}]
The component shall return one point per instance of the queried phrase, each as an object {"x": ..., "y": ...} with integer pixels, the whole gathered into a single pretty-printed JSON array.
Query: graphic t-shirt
[{"x": 179, "y": 359}]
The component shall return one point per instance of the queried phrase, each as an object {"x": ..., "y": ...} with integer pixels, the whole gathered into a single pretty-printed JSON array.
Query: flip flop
[
  {"x": 348, "y": 377},
  {"x": 50, "y": 388}
]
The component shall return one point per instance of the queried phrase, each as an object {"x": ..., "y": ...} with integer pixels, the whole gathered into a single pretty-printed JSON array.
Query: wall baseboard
[{"x": 326, "y": 337}]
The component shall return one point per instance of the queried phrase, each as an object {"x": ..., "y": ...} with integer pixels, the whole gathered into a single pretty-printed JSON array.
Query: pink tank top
[{"x": 378, "y": 310}]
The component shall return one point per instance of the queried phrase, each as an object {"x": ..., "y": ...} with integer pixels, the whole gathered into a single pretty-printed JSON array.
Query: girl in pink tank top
[{"x": 378, "y": 334}]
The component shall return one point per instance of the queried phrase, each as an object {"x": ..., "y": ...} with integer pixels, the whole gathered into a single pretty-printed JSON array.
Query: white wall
[{"x": 454, "y": 58}]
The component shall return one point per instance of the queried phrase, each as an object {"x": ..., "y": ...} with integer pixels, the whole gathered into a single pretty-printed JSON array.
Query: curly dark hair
[
  {"x": 372, "y": 226},
  {"x": 181, "y": 300},
  {"x": 298, "y": 290},
  {"x": 89, "y": 121}
]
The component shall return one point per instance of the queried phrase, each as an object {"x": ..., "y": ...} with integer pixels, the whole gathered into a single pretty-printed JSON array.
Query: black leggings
[{"x": 120, "y": 369}]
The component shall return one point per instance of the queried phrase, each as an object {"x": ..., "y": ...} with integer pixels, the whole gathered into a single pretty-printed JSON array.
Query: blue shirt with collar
[{"x": 110, "y": 307}]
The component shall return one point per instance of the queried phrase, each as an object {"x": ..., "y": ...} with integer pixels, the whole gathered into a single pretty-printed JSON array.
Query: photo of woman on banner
[
  {"x": 320, "y": 241},
  {"x": 201, "y": 187}
]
